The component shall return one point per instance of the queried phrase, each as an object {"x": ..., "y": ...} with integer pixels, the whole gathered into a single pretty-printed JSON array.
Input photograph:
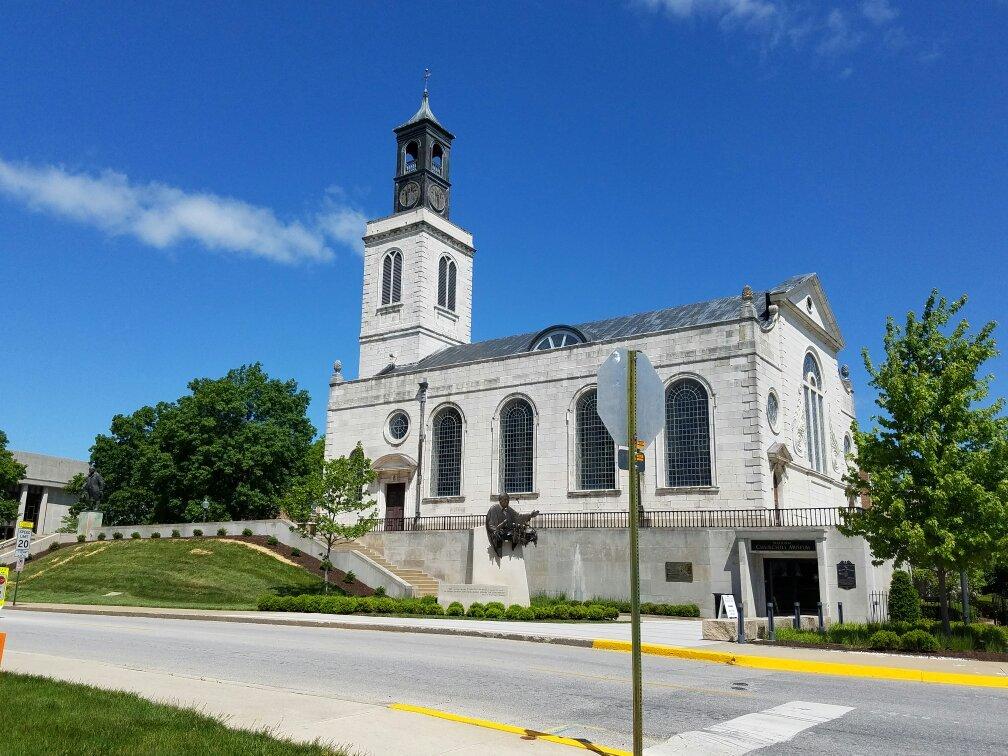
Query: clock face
[
  {"x": 409, "y": 194},
  {"x": 436, "y": 197}
]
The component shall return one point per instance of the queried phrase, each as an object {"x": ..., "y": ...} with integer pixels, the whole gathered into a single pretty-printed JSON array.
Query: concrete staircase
[{"x": 423, "y": 584}]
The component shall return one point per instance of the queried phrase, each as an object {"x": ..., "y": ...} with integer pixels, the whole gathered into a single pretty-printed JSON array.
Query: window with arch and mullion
[
  {"x": 687, "y": 435},
  {"x": 594, "y": 447},
  {"x": 517, "y": 447},
  {"x": 815, "y": 414},
  {"x": 446, "y": 453},
  {"x": 391, "y": 281},
  {"x": 447, "y": 271}
]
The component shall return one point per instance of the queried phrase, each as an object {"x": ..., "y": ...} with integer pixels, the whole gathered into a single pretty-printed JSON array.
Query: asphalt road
[{"x": 571, "y": 691}]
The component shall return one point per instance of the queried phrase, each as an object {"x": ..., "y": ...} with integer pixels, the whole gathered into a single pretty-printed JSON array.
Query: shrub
[
  {"x": 117, "y": 536},
  {"x": 295, "y": 552},
  {"x": 544, "y": 611},
  {"x": 475, "y": 611},
  {"x": 596, "y": 612},
  {"x": 155, "y": 534},
  {"x": 918, "y": 640},
  {"x": 134, "y": 535},
  {"x": 101, "y": 536},
  {"x": 527, "y": 614},
  {"x": 475, "y": 606},
  {"x": 455, "y": 609},
  {"x": 435, "y": 609},
  {"x": 176, "y": 534},
  {"x": 247, "y": 532},
  {"x": 496, "y": 605},
  {"x": 81, "y": 538},
  {"x": 884, "y": 640},
  {"x": 513, "y": 612},
  {"x": 379, "y": 591},
  {"x": 578, "y": 612},
  {"x": 53, "y": 546},
  {"x": 197, "y": 532},
  {"x": 348, "y": 578},
  {"x": 493, "y": 611},
  {"x": 904, "y": 601},
  {"x": 561, "y": 611},
  {"x": 222, "y": 531},
  {"x": 272, "y": 541}
]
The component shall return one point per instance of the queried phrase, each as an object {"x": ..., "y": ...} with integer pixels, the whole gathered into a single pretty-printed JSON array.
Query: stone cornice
[{"x": 420, "y": 225}]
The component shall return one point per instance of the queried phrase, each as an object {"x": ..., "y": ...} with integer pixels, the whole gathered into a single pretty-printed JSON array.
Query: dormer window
[{"x": 556, "y": 337}]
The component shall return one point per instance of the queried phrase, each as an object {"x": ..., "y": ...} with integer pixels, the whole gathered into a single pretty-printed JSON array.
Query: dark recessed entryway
[{"x": 789, "y": 580}]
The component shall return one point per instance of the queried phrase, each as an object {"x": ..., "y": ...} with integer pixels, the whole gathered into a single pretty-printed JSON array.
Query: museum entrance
[
  {"x": 395, "y": 504},
  {"x": 789, "y": 580}
]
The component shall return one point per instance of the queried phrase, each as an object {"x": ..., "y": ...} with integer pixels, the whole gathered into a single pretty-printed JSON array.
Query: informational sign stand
[
  {"x": 728, "y": 608},
  {"x": 22, "y": 546},
  {"x": 631, "y": 405}
]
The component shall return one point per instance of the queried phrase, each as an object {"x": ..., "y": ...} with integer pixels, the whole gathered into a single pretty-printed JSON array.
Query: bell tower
[
  {"x": 423, "y": 163},
  {"x": 418, "y": 265}
]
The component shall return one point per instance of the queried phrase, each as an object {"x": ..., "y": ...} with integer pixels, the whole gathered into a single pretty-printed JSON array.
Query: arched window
[
  {"x": 517, "y": 442},
  {"x": 446, "y": 283},
  {"x": 391, "y": 286},
  {"x": 446, "y": 453},
  {"x": 687, "y": 434},
  {"x": 594, "y": 446},
  {"x": 815, "y": 416},
  {"x": 437, "y": 159},
  {"x": 555, "y": 337},
  {"x": 410, "y": 157}
]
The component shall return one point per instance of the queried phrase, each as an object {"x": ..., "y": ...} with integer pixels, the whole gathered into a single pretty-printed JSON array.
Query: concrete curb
[
  {"x": 334, "y": 624},
  {"x": 783, "y": 664}
]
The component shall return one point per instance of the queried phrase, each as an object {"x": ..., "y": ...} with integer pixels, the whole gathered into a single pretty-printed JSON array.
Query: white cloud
[
  {"x": 813, "y": 24},
  {"x": 879, "y": 12},
  {"x": 161, "y": 216}
]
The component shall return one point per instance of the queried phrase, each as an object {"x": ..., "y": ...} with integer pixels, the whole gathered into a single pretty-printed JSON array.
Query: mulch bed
[
  {"x": 337, "y": 578},
  {"x": 977, "y": 655}
]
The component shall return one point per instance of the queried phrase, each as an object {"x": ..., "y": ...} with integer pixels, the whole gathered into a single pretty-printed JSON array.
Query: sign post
[
  {"x": 22, "y": 545},
  {"x": 631, "y": 402}
]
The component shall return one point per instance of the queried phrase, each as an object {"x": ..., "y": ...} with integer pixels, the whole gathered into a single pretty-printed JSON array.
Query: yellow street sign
[
  {"x": 641, "y": 444},
  {"x": 25, "y": 524}
]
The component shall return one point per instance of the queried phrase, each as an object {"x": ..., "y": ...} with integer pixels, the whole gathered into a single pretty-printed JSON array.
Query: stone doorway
[
  {"x": 395, "y": 504},
  {"x": 787, "y": 581}
]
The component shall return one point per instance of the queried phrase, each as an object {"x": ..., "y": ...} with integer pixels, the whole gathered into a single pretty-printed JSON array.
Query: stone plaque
[
  {"x": 846, "y": 576},
  {"x": 783, "y": 545},
  {"x": 472, "y": 593},
  {"x": 678, "y": 572}
]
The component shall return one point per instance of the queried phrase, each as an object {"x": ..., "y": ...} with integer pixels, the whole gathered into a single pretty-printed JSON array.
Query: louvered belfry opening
[
  {"x": 392, "y": 278},
  {"x": 446, "y": 283}
]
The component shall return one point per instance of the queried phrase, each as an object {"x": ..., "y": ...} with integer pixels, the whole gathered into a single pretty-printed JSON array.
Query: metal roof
[
  {"x": 623, "y": 327},
  {"x": 423, "y": 114}
]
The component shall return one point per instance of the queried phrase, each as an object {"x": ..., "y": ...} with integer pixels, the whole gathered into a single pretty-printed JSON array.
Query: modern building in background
[
  {"x": 758, "y": 417},
  {"x": 40, "y": 494}
]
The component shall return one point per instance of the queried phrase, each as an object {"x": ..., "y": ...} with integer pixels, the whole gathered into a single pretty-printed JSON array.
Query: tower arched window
[
  {"x": 410, "y": 155},
  {"x": 446, "y": 283},
  {"x": 594, "y": 446},
  {"x": 437, "y": 159},
  {"x": 391, "y": 288},
  {"x": 446, "y": 453},
  {"x": 687, "y": 434},
  {"x": 815, "y": 415},
  {"x": 517, "y": 446}
]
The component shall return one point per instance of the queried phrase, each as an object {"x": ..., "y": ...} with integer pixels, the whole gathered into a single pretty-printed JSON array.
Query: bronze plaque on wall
[
  {"x": 846, "y": 575},
  {"x": 678, "y": 572}
]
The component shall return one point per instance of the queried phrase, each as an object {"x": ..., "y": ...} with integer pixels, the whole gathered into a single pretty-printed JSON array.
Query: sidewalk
[{"x": 362, "y": 728}]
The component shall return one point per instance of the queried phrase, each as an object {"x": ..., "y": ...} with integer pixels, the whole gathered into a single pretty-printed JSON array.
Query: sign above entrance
[{"x": 783, "y": 545}]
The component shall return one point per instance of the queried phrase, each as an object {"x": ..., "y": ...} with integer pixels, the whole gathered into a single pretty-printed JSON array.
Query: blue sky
[{"x": 182, "y": 185}]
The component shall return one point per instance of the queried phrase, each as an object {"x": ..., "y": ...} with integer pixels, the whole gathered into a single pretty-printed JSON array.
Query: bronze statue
[
  {"x": 94, "y": 488},
  {"x": 505, "y": 524}
]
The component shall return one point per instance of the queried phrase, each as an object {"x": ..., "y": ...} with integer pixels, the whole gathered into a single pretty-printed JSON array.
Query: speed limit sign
[{"x": 23, "y": 539}]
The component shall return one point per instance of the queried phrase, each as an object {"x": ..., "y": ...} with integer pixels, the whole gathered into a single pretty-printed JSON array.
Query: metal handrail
[{"x": 799, "y": 517}]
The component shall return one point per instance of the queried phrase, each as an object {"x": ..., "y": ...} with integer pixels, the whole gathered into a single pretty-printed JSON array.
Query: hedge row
[
  {"x": 665, "y": 610},
  {"x": 428, "y": 606},
  {"x": 923, "y": 635}
]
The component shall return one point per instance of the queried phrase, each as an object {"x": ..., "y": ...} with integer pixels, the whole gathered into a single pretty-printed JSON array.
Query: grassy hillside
[{"x": 205, "y": 573}]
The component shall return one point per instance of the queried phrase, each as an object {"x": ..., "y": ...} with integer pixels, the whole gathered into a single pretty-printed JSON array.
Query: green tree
[
  {"x": 937, "y": 461},
  {"x": 11, "y": 473},
  {"x": 904, "y": 601},
  {"x": 74, "y": 487},
  {"x": 239, "y": 441},
  {"x": 330, "y": 503}
]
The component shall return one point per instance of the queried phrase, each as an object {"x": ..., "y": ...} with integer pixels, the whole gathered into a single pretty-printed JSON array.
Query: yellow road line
[
  {"x": 781, "y": 664},
  {"x": 526, "y": 733}
]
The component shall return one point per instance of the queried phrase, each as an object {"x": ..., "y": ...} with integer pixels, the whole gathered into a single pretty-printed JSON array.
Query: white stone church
[{"x": 758, "y": 416}]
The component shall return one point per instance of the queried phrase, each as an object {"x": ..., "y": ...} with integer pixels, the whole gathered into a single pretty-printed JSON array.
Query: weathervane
[{"x": 426, "y": 76}]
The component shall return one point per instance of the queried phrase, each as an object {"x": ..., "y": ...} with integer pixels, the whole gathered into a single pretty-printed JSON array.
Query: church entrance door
[
  {"x": 395, "y": 504},
  {"x": 792, "y": 580}
]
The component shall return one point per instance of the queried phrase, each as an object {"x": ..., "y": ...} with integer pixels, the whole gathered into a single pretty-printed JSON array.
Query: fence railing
[{"x": 804, "y": 517}]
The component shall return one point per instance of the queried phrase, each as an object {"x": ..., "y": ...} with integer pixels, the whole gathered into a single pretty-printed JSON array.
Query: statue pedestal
[
  {"x": 88, "y": 524},
  {"x": 507, "y": 571}
]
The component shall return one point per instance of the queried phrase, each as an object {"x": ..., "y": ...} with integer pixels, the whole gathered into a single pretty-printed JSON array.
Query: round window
[
  {"x": 398, "y": 426},
  {"x": 772, "y": 410}
]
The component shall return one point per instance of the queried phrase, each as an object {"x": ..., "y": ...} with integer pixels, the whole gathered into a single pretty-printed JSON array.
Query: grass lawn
[
  {"x": 198, "y": 573},
  {"x": 51, "y": 717}
]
